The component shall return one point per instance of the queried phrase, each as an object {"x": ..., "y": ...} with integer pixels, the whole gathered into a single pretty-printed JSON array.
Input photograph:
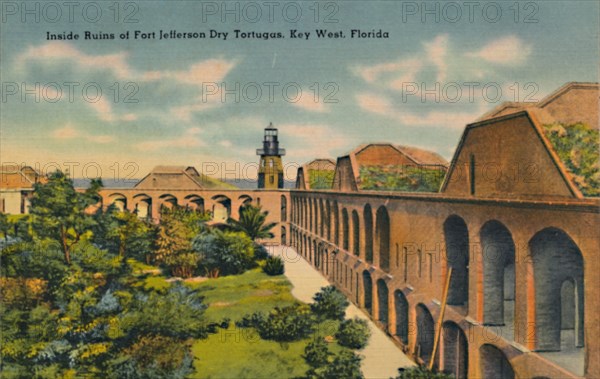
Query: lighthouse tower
[{"x": 270, "y": 171}]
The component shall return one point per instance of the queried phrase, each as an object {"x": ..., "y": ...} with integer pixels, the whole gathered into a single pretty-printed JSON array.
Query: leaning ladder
[{"x": 438, "y": 328}]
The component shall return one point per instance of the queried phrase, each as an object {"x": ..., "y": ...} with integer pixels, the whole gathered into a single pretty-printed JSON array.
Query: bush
[
  {"x": 344, "y": 365},
  {"x": 274, "y": 266},
  {"x": 419, "y": 373},
  {"x": 353, "y": 333},
  {"x": 316, "y": 353},
  {"x": 286, "y": 324},
  {"x": 154, "y": 357},
  {"x": 228, "y": 253},
  {"x": 260, "y": 252},
  {"x": 251, "y": 321},
  {"x": 330, "y": 304}
]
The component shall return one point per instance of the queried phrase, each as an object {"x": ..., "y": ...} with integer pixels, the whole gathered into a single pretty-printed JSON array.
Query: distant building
[
  {"x": 270, "y": 171},
  {"x": 388, "y": 167},
  {"x": 16, "y": 188},
  {"x": 316, "y": 174},
  {"x": 572, "y": 103},
  {"x": 529, "y": 150}
]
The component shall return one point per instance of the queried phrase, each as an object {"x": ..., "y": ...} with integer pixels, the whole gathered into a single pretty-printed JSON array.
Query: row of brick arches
[{"x": 325, "y": 233}]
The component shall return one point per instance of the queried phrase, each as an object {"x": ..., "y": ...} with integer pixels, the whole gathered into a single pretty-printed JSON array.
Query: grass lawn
[
  {"x": 240, "y": 353},
  {"x": 235, "y": 296}
]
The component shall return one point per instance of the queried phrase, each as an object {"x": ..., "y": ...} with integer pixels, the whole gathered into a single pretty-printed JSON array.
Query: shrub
[
  {"x": 228, "y": 253},
  {"x": 260, "y": 252},
  {"x": 154, "y": 357},
  {"x": 329, "y": 303},
  {"x": 353, "y": 333},
  {"x": 316, "y": 353},
  {"x": 344, "y": 365},
  {"x": 291, "y": 323},
  {"x": 286, "y": 324},
  {"x": 251, "y": 321},
  {"x": 419, "y": 373},
  {"x": 274, "y": 266}
]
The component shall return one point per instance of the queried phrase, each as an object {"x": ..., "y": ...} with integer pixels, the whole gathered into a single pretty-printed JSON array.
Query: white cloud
[
  {"x": 404, "y": 70},
  {"x": 69, "y": 132},
  {"x": 507, "y": 51},
  {"x": 189, "y": 139},
  {"x": 314, "y": 140},
  {"x": 184, "y": 112},
  {"x": 197, "y": 74},
  {"x": 66, "y": 132},
  {"x": 308, "y": 102},
  {"x": 396, "y": 73},
  {"x": 54, "y": 51},
  {"x": 105, "y": 112},
  {"x": 382, "y": 106},
  {"x": 436, "y": 54},
  {"x": 210, "y": 70}
]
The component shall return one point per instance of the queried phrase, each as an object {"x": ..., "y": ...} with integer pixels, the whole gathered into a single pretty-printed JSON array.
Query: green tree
[
  {"x": 345, "y": 365},
  {"x": 353, "y": 333},
  {"x": 253, "y": 222},
  {"x": 420, "y": 373},
  {"x": 59, "y": 211},
  {"x": 329, "y": 303},
  {"x": 174, "y": 244},
  {"x": 316, "y": 353},
  {"x": 4, "y": 225},
  {"x": 124, "y": 233},
  {"x": 224, "y": 253}
]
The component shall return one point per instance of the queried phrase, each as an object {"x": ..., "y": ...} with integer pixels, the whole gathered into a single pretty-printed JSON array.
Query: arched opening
[
  {"x": 310, "y": 215},
  {"x": 143, "y": 206},
  {"x": 119, "y": 201},
  {"x": 559, "y": 302},
  {"x": 245, "y": 200},
  {"x": 315, "y": 254},
  {"x": 493, "y": 363},
  {"x": 283, "y": 208},
  {"x": 382, "y": 303},
  {"x": 328, "y": 220},
  {"x": 401, "y": 308},
  {"x": 168, "y": 201},
  {"x": 457, "y": 256},
  {"x": 368, "y": 292},
  {"x": 355, "y": 233},
  {"x": 425, "y": 333},
  {"x": 321, "y": 218},
  {"x": 195, "y": 202},
  {"x": 368, "y": 215},
  {"x": 345, "y": 227},
  {"x": 455, "y": 350},
  {"x": 316, "y": 216},
  {"x": 336, "y": 223},
  {"x": 222, "y": 208},
  {"x": 283, "y": 236},
  {"x": 305, "y": 248},
  {"x": 382, "y": 231},
  {"x": 498, "y": 249}
]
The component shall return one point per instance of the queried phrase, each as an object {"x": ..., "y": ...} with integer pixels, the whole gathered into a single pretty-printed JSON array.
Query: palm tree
[{"x": 252, "y": 222}]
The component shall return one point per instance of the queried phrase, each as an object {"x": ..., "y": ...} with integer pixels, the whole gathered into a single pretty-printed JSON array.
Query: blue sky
[{"x": 180, "y": 116}]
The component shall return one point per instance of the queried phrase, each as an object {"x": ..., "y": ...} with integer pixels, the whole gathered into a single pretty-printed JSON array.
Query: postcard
[{"x": 299, "y": 189}]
